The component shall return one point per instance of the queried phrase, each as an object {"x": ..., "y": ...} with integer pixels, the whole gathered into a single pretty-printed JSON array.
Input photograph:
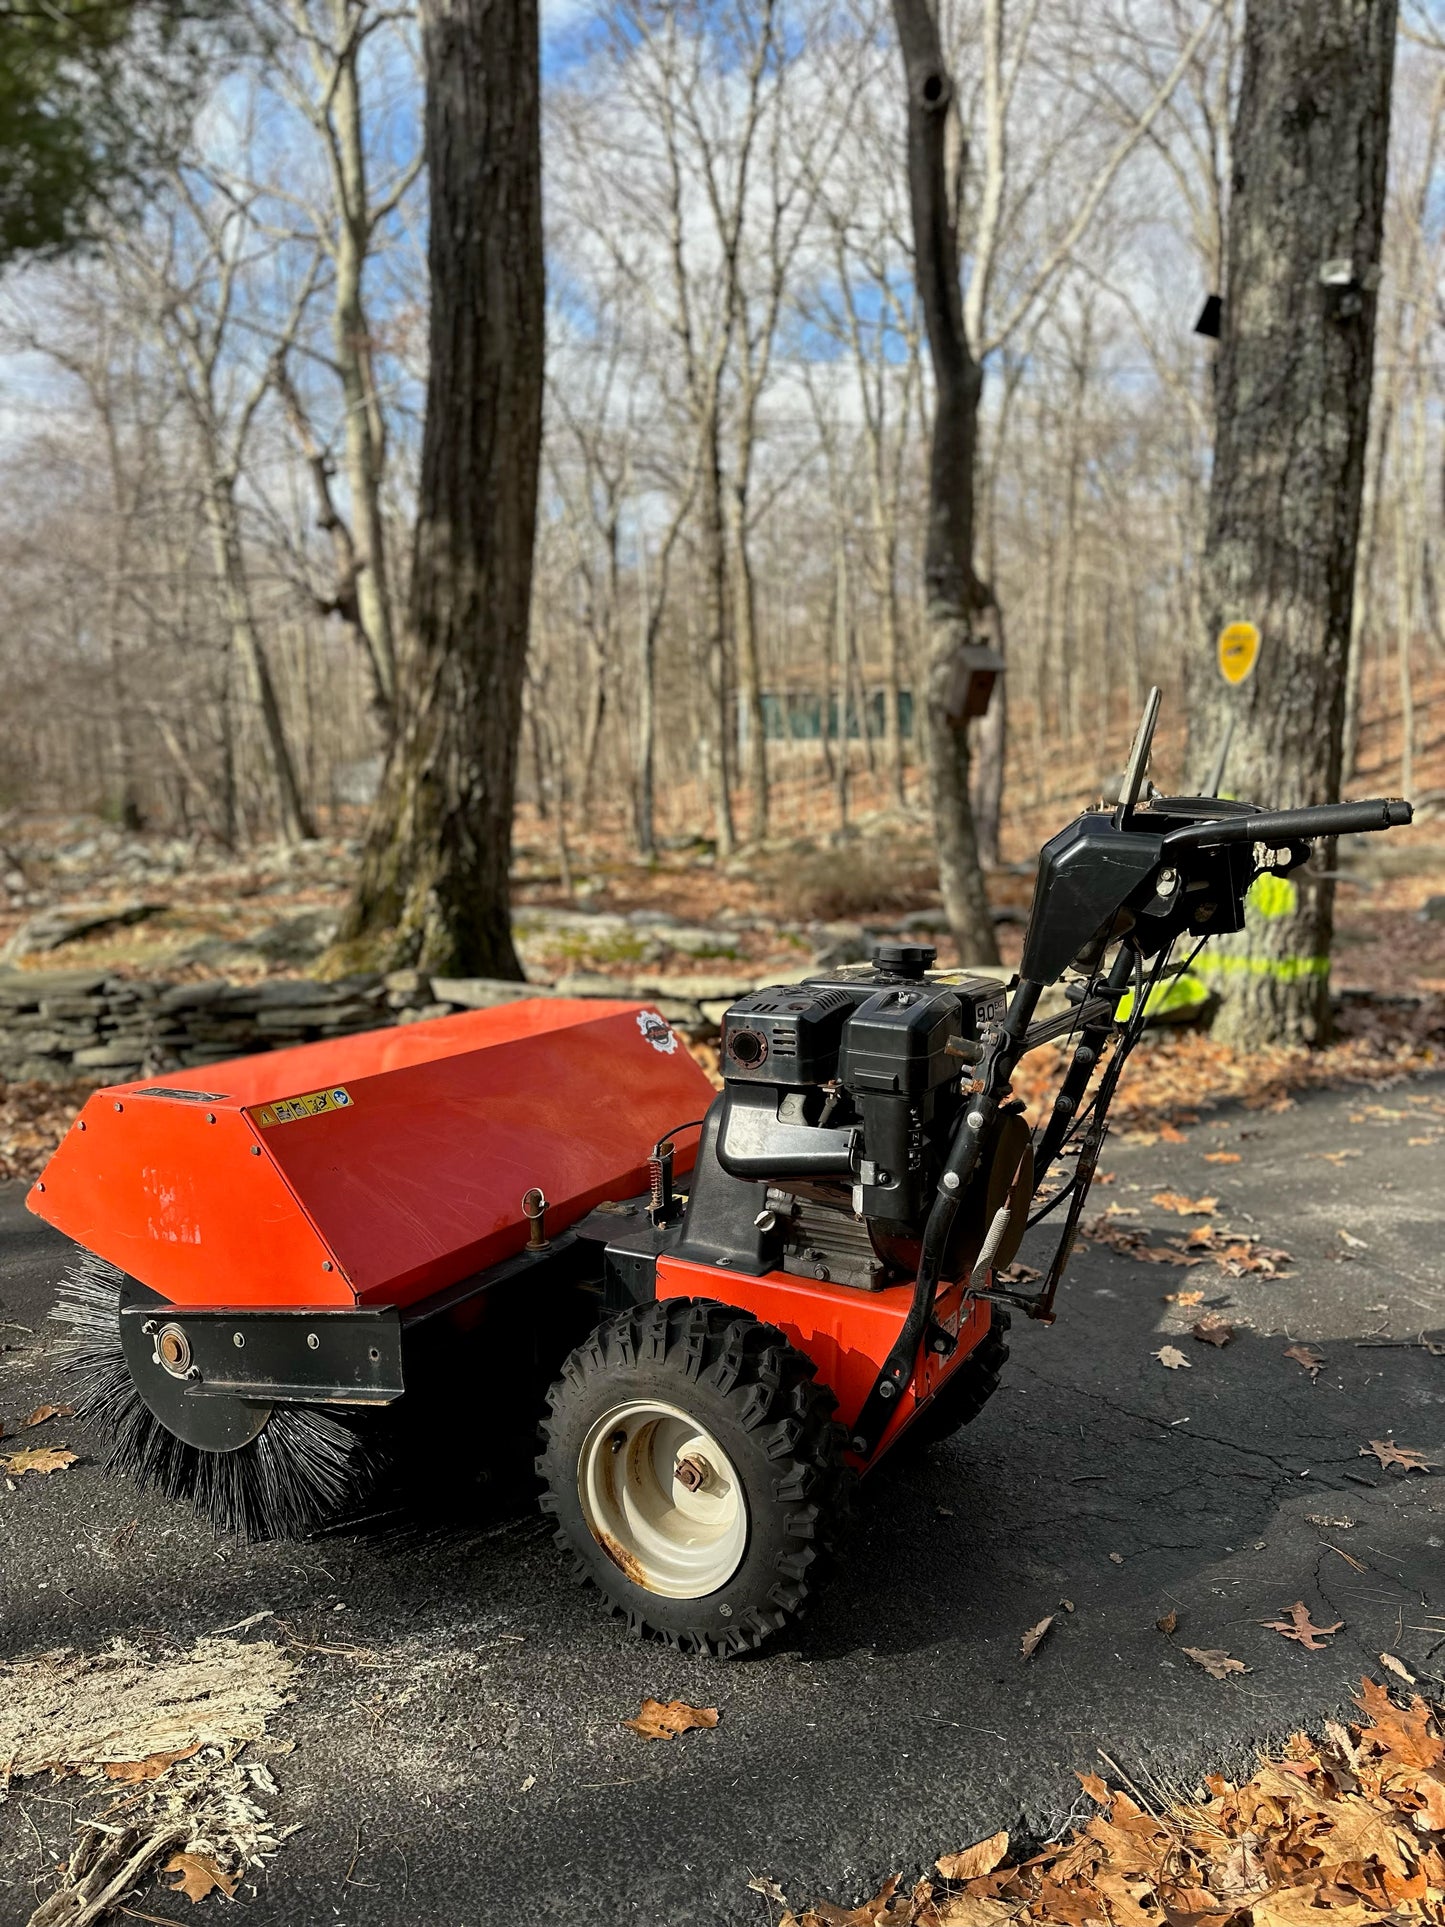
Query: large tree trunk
[
  {"x": 1310, "y": 139},
  {"x": 955, "y": 597},
  {"x": 434, "y": 885}
]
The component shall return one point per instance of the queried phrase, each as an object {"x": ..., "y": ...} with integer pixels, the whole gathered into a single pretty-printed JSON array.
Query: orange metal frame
[{"x": 847, "y": 1333}]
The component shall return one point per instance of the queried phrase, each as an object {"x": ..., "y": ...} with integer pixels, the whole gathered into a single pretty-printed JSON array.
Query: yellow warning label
[
  {"x": 1238, "y": 649},
  {"x": 287, "y": 1110}
]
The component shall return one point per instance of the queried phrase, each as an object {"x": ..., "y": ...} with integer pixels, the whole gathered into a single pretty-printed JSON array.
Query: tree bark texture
[
  {"x": 955, "y": 598},
  {"x": 1293, "y": 393},
  {"x": 434, "y": 885}
]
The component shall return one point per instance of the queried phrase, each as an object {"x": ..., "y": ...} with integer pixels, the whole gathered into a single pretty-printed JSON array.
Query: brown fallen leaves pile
[
  {"x": 33, "y": 1119},
  {"x": 1344, "y": 1832},
  {"x": 1174, "y": 1079},
  {"x": 1235, "y": 1252}
]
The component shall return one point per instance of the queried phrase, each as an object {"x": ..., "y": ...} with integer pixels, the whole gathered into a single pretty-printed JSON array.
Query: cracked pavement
[{"x": 458, "y": 1753}]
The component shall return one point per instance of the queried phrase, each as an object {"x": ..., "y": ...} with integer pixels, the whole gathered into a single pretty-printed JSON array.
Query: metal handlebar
[{"x": 1286, "y": 826}]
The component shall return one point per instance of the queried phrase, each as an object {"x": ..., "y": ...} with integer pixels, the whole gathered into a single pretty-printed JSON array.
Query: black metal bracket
[{"x": 348, "y": 1357}]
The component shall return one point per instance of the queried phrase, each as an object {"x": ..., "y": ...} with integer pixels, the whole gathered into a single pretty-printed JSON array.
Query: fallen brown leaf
[
  {"x": 659, "y": 1720},
  {"x": 150, "y": 1768},
  {"x": 199, "y": 1876},
  {"x": 1094, "y": 1787},
  {"x": 1033, "y": 1638},
  {"x": 1184, "y": 1298},
  {"x": 1221, "y": 1157},
  {"x": 1217, "y": 1664},
  {"x": 1313, "y": 1360},
  {"x": 1406, "y": 1736},
  {"x": 1171, "y": 1358},
  {"x": 39, "y": 1458},
  {"x": 1407, "y": 1457},
  {"x": 1213, "y": 1331},
  {"x": 974, "y": 1861},
  {"x": 1299, "y": 1627},
  {"x": 886, "y": 1906},
  {"x": 1186, "y": 1207},
  {"x": 1349, "y": 1238},
  {"x": 44, "y": 1412},
  {"x": 1169, "y": 1622},
  {"x": 1397, "y": 1667}
]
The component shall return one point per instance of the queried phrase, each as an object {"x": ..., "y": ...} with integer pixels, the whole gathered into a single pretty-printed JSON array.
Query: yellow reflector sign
[{"x": 1238, "y": 650}]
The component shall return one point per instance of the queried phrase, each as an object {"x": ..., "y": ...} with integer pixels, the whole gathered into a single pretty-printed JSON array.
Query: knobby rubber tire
[
  {"x": 964, "y": 1395},
  {"x": 758, "y": 1397}
]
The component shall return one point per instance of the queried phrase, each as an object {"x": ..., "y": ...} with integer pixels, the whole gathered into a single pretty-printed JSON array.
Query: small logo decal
[
  {"x": 657, "y": 1031},
  {"x": 289, "y": 1110}
]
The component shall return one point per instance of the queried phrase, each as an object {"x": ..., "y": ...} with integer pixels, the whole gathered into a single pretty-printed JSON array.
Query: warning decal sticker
[{"x": 288, "y": 1110}]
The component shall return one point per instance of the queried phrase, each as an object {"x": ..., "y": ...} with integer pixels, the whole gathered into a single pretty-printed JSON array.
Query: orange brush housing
[{"x": 370, "y": 1170}]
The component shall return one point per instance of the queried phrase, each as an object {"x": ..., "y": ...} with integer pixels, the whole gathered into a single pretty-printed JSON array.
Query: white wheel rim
[{"x": 634, "y": 1480}]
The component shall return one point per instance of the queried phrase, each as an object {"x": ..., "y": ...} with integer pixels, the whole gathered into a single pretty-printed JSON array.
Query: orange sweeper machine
[{"x": 719, "y": 1307}]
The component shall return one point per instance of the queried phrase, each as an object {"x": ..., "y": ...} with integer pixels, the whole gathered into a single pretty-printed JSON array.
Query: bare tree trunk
[
  {"x": 1305, "y": 219},
  {"x": 750, "y": 675},
  {"x": 840, "y": 675},
  {"x": 292, "y": 818},
  {"x": 364, "y": 423},
  {"x": 991, "y": 757},
  {"x": 647, "y": 623},
  {"x": 956, "y": 597},
  {"x": 434, "y": 888},
  {"x": 713, "y": 542}
]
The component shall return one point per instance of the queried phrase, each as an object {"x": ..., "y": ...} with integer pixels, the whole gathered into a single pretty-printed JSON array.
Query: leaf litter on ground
[
  {"x": 1034, "y": 1638},
  {"x": 665, "y": 1719},
  {"x": 1312, "y": 1359},
  {"x": 1408, "y": 1457},
  {"x": 1296, "y": 1624},
  {"x": 1343, "y": 1831},
  {"x": 39, "y": 1458}
]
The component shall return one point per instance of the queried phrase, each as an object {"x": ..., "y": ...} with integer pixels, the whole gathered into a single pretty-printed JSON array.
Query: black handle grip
[{"x": 1287, "y": 826}]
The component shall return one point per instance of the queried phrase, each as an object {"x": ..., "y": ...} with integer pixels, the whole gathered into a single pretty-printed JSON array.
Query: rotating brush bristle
[{"x": 305, "y": 1469}]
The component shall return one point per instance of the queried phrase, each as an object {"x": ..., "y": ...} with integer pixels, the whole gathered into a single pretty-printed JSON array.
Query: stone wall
[{"x": 64, "y": 1026}]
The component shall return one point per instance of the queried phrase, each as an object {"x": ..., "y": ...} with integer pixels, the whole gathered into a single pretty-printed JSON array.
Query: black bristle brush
[{"x": 305, "y": 1469}]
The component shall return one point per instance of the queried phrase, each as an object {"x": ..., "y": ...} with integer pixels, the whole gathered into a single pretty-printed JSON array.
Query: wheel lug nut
[{"x": 692, "y": 1473}]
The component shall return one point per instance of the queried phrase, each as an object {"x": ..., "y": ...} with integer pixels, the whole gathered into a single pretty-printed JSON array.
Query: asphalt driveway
[{"x": 458, "y": 1751}]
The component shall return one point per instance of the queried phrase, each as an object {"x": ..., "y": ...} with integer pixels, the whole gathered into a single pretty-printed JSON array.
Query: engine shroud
[{"x": 821, "y": 1157}]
